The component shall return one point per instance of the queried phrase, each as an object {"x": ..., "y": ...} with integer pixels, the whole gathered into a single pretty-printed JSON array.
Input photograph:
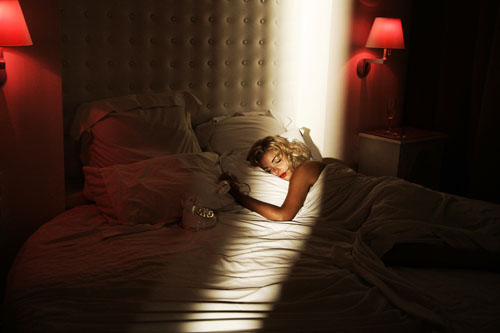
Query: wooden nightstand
[{"x": 412, "y": 154}]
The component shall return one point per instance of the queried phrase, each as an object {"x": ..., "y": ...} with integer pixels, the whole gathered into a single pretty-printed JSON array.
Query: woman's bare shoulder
[{"x": 310, "y": 170}]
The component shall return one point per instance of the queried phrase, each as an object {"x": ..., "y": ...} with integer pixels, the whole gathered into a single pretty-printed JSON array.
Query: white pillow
[
  {"x": 135, "y": 135},
  {"x": 153, "y": 191},
  {"x": 131, "y": 128},
  {"x": 238, "y": 132},
  {"x": 295, "y": 134},
  {"x": 199, "y": 113},
  {"x": 261, "y": 185},
  {"x": 90, "y": 113}
]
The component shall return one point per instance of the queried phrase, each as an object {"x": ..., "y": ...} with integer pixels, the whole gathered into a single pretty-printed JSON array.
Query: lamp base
[
  {"x": 363, "y": 68},
  {"x": 3, "y": 73}
]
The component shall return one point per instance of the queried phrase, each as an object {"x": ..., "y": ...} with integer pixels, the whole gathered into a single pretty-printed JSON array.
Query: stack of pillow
[{"x": 144, "y": 155}]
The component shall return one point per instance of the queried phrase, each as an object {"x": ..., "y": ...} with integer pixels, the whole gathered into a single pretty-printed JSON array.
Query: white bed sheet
[
  {"x": 382, "y": 211},
  {"x": 78, "y": 274},
  {"x": 319, "y": 273}
]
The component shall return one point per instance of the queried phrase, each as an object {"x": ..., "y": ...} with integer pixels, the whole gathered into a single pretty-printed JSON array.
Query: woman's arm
[
  {"x": 302, "y": 179},
  {"x": 328, "y": 160}
]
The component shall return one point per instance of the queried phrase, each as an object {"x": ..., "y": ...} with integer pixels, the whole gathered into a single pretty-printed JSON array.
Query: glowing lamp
[
  {"x": 387, "y": 34},
  {"x": 13, "y": 31}
]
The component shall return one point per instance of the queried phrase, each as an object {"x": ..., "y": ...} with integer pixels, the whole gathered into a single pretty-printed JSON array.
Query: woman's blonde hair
[{"x": 295, "y": 151}]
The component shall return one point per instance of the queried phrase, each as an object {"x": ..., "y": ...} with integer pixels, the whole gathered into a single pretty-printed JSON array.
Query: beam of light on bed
[
  {"x": 314, "y": 53},
  {"x": 222, "y": 325},
  {"x": 312, "y": 49},
  {"x": 248, "y": 274}
]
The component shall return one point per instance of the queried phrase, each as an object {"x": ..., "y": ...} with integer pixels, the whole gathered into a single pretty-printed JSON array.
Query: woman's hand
[{"x": 234, "y": 189}]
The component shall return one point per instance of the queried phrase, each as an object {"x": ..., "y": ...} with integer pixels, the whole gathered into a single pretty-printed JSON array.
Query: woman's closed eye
[
  {"x": 275, "y": 162},
  {"x": 268, "y": 170}
]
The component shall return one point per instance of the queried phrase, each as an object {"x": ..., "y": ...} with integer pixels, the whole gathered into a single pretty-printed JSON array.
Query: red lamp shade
[
  {"x": 386, "y": 33},
  {"x": 13, "y": 29}
]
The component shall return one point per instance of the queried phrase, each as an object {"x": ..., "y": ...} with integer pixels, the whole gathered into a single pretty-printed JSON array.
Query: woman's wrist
[{"x": 235, "y": 192}]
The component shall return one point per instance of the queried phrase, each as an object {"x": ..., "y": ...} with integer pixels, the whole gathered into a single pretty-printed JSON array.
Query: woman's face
[{"x": 276, "y": 164}]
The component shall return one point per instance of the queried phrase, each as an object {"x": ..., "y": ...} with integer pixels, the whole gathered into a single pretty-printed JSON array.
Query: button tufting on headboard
[{"x": 223, "y": 51}]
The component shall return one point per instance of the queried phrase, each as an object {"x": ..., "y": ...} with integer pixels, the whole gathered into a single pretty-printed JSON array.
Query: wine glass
[{"x": 390, "y": 110}]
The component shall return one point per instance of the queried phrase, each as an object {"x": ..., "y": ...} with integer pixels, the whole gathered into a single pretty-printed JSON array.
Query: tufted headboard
[{"x": 226, "y": 52}]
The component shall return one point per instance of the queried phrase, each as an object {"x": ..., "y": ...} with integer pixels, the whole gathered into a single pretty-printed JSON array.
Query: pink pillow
[
  {"x": 131, "y": 128},
  {"x": 135, "y": 135},
  {"x": 153, "y": 191}
]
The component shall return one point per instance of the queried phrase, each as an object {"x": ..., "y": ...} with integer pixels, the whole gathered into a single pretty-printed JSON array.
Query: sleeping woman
[
  {"x": 292, "y": 161},
  {"x": 288, "y": 160}
]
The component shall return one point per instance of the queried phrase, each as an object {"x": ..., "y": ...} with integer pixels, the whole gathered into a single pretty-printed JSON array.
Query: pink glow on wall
[
  {"x": 367, "y": 98},
  {"x": 31, "y": 145}
]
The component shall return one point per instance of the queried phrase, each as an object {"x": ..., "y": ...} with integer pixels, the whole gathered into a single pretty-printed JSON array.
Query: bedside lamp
[
  {"x": 13, "y": 31},
  {"x": 386, "y": 33}
]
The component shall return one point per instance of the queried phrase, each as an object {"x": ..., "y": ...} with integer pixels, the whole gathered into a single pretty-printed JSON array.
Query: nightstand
[{"x": 410, "y": 153}]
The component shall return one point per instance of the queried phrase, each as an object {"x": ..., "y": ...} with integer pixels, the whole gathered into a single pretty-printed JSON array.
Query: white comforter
[{"x": 320, "y": 272}]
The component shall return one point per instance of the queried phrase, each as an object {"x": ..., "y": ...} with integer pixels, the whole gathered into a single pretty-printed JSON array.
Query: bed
[{"x": 131, "y": 260}]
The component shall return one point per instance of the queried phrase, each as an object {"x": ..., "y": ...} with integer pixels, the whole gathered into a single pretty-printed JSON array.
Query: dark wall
[{"x": 452, "y": 87}]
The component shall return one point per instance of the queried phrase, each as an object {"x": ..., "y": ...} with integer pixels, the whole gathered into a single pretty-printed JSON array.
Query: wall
[
  {"x": 453, "y": 80},
  {"x": 31, "y": 152}
]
